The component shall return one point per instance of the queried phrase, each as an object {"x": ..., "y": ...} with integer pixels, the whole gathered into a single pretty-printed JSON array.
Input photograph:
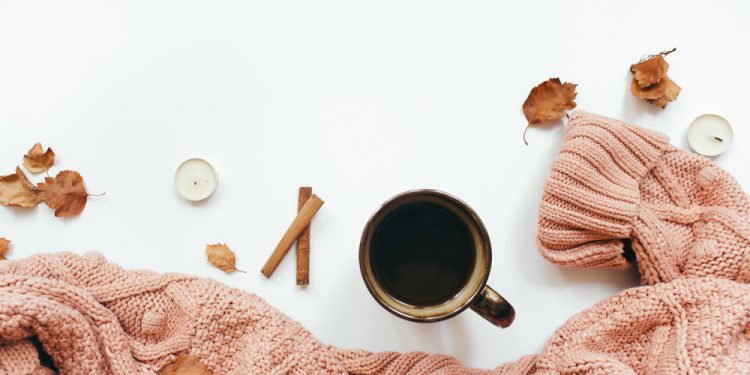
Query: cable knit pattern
[
  {"x": 614, "y": 183},
  {"x": 93, "y": 317},
  {"x": 592, "y": 199},
  {"x": 615, "y": 189}
]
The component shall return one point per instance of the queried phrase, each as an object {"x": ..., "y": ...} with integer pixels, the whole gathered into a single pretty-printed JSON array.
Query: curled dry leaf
[
  {"x": 659, "y": 93},
  {"x": 548, "y": 101},
  {"x": 649, "y": 71},
  {"x": 664, "y": 88},
  {"x": 4, "y": 245},
  {"x": 185, "y": 364},
  {"x": 670, "y": 94},
  {"x": 17, "y": 190},
  {"x": 221, "y": 256},
  {"x": 37, "y": 161},
  {"x": 65, "y": 193},
  {"x": 651, "y": 82}
]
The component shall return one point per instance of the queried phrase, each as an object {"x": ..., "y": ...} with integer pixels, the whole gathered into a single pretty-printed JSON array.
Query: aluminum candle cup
[
  {"x": 195, "y": 180},
  {"x": 710, "y": 135}
]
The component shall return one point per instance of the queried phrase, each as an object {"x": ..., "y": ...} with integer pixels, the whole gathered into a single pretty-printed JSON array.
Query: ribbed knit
[
  {"x": 614, "y": 183},
  {"x": 591, "y": 199}
]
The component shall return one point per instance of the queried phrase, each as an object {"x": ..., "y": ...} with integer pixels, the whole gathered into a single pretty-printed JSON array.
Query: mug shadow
[
  {"x": 450, "y": 335},
  {"x": 445, "y": 337}
]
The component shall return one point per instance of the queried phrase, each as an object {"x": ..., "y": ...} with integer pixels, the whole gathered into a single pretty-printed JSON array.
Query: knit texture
[
  {"x": 94, "y": 317},
  {"x": 616, "y": 187},
  {"x": 617, "y": 195}
]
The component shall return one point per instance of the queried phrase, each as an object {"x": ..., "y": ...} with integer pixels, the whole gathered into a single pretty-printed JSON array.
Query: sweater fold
[{"x": 592, "y": 197}]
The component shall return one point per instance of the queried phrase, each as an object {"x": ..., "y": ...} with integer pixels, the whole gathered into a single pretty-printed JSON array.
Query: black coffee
[{"x": 422, "y": 254}]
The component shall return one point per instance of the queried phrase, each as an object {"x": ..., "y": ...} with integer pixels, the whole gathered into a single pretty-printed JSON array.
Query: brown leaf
[
  {"x": 652, "y": 92},
  {"x": 671, "y": 92},
  {"x": 651, "y": 82},
  {"x": 65, "y": 193},
  {"x": 221, "y": 256},
  {"x": 649, "y": 71},
  {"x": 659, "y": 93},
  {"x": 37, "y": 161},
  {"x": 4, "y": 245},
  {"x": 548, "y": 101},
  {"x": 17, "y": 190},
  {"x": 185, "y": 364}
]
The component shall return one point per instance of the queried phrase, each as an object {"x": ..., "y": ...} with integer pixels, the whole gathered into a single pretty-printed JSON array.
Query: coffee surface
[{"x": 422, "y": 254}]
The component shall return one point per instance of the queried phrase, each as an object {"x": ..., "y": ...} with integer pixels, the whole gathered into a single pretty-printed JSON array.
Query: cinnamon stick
[
  {"x": 303, "y": 219},
  {"x": 303, "y": 242}
]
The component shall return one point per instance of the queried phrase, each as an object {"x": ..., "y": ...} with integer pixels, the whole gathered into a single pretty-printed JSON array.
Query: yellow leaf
[{"x": 221, "y": 256}]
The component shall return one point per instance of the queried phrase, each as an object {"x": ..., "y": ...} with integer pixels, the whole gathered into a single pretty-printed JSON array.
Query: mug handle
[{"x": 493, "y": 307}]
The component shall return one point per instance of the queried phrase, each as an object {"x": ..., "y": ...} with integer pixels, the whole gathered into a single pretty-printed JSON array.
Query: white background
[{"x": 361, "y": 100}]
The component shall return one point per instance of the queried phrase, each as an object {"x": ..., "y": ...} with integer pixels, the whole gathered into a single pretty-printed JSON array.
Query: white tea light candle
[
  {"x": 710, "y": 135},
  {"x": 195, "y": 180}
]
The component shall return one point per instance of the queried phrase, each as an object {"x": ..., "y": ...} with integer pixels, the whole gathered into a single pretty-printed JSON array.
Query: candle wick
[{"x": 718, "y": 139}]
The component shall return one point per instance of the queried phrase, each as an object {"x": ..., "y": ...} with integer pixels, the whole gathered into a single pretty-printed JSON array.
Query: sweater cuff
[{"x": 592, "y": 197}]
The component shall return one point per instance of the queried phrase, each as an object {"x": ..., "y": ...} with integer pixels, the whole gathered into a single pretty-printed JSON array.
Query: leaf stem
[
  {"x": 524, "y": 134},
  {"x": 96, "y": 195},
  {"x": 664, "y": 53}
]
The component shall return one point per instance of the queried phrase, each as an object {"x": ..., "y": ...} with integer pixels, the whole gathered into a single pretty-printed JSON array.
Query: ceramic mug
[{"x": 474, "y": 292}]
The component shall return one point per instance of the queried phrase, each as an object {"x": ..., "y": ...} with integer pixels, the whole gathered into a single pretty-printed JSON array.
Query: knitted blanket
[{"x": 617, "y": 195}]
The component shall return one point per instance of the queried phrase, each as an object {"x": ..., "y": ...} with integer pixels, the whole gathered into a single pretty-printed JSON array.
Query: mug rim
[{"x": 481, "y": 229}]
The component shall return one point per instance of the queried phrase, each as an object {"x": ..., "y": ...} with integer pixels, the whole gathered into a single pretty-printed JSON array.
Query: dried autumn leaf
[
  {"x": 4, "y": 245},
  {"x": 671, "y": 91},
  {"x": 221, "y": 256},
  {"x": 548, "y": 101},
  {"x": 659, "y": 93},
  {"x": 17, "y": 190},
  {"x": 37, "y": 161},
  {"x": 649, "y": 71},
  {"x": 65, "y": 193},
  {"x": 185, "y": 364},
  {"x": 651, "y": 82},
  {"x": 670, "y": 95},
  {"x": 652, "y": 92}
]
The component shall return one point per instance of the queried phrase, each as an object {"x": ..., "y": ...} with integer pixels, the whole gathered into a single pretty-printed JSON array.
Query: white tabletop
[{"x": 361, "y": 100}]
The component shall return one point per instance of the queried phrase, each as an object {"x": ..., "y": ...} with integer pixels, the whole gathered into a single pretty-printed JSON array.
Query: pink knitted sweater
[{"x": 617, "y": 195}]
